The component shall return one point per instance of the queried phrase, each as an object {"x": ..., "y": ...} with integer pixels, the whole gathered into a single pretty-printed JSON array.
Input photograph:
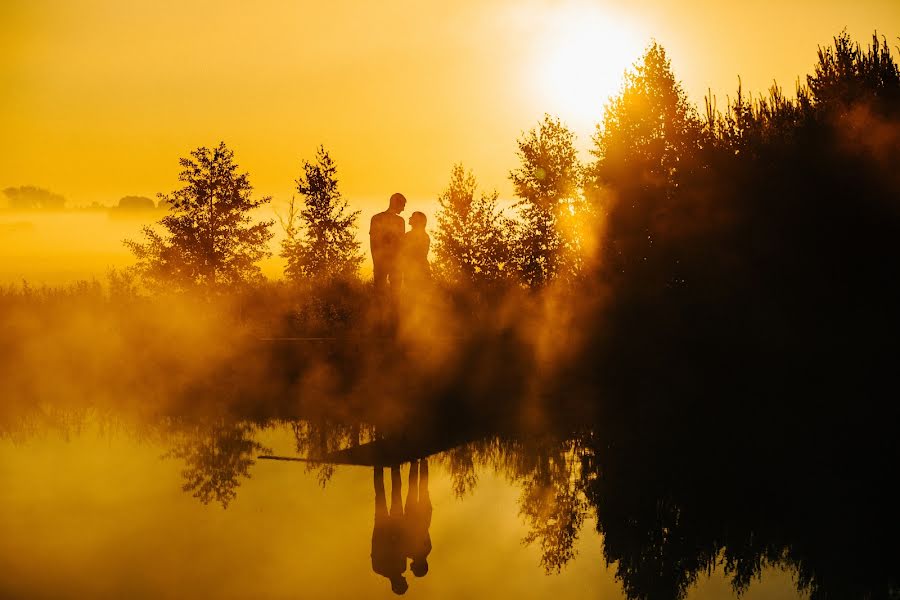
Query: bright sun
[{"x": 582, "y": 59}]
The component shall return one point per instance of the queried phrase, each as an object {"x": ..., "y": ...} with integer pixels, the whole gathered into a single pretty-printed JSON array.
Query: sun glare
[{"x": 582, "y": 60}]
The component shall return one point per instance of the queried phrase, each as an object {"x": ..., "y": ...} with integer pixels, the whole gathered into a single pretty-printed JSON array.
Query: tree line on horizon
[
  {"x": 34, "y": 198},
  {"x": 661, "y": 171}
]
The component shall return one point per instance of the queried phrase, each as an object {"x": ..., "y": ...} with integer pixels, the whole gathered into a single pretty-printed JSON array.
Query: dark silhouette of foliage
[
  {"x": 209, "y": 239},
  {"x": 461, "y": 466},
  {"x": 471, "y": 241},
  {"x": 321, "y": 240},
  {"x": 547, "y": 183},
  {"x": 216, "y": 459},
  {"x": 644, "y": 149},
  {"x": 29, "y": 197},
  {"x": 845, "y": 74},
  {"x": 749, "y": 124},
  {"x": 749, "y": 300}
]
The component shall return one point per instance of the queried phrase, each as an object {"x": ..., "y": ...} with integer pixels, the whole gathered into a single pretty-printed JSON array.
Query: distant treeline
[{"x": 29, "y": 198}]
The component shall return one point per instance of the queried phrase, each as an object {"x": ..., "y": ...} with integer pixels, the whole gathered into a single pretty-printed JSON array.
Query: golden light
[{"x": 581, "y": 62}]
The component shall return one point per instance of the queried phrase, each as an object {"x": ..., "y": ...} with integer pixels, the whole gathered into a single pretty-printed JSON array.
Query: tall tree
[
  {"x": 547, "y": 183},
  {"x": 644, "y": 148},
  {"x": 208, "y": 239},
  {"x": 472, "y": 236},
  {"x": 321, "y": 240},
  {"x": 845, "y": 74}
]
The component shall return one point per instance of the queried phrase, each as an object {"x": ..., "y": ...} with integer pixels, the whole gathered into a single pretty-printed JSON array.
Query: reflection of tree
[
  {"x": 670, "y": 511},
  {"x": 216, "y": 458},
  {"x": 317, "y": 438},
  {"x": 461, "y": 462},
  {"x": 551, "y": 501}
]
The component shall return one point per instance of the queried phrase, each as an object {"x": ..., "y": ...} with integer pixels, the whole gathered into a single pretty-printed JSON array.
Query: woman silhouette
[{"x": 414, "y": 253}]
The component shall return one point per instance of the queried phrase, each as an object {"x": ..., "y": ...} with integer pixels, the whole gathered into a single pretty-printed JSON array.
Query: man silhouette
[
  {"x": 386, "y": 232},
  {"x": 388, "y": 556}
]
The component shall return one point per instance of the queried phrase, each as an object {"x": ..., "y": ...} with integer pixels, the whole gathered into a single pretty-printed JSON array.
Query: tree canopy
[
  {"x": 472, "y": 235},
  {"x": 321, "y": 240},
  {"x": 209, "y": 238},
  {"x": 547, "y": 183}
]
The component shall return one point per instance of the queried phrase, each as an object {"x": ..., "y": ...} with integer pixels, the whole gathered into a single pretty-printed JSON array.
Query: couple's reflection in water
[
  {"x": 669, "y": 511},
  {"x": 400, "y": 532}
]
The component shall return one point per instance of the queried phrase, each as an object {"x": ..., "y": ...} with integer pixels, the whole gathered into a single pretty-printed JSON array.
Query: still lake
[{"x": 96, "y": 508}]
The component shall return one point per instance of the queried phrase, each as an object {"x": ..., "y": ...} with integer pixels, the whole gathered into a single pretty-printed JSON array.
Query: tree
[
  {"x": 845, "y": 75},
  {"x": 29, "y": 197},
  {"x": 321, "y": 240},
  {"x": 547, "y": 182},
  {"x": 472, "y": 236},
  {"x": 648, "y": 130},
  {"x": 209, "y": 239},
  {"x": 136, "y": 203},
  {"x": 645, "y": 147}
]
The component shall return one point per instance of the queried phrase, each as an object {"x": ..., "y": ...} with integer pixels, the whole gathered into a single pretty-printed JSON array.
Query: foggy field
[{"x": 57, "y": 248}]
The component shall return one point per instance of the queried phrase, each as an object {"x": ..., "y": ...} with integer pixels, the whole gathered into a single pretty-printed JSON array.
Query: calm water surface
[{"x": 95, "y": 509}]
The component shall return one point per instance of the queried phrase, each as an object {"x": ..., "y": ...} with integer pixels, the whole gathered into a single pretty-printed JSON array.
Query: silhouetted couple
[
  {"x": 399, "y": 257},
  {"x": 401, "y": 534}
]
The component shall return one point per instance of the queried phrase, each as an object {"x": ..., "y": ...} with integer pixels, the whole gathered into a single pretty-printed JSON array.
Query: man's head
[
  {"x": 418, "y": 220},
  {"x": 399, "y": 585},
  {"x": 397, "y": 203}
]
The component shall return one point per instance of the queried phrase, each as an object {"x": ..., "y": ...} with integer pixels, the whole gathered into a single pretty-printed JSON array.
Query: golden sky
[{"x": 101, "y": 97}]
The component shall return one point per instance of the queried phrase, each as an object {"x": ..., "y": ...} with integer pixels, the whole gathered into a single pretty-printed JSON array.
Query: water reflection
[
  {"x": 216, "y": 458},
  {"x": 393, "y": 538},
  {"x": 388, "y": 556},
  {"x": 320, "y": 437},
  {"x": 417, "y": 518},
  {"x": 670, "y": 510}
]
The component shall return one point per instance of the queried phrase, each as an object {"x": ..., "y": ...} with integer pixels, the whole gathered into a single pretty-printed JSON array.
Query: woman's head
[{"x": 418, "y": 220}]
